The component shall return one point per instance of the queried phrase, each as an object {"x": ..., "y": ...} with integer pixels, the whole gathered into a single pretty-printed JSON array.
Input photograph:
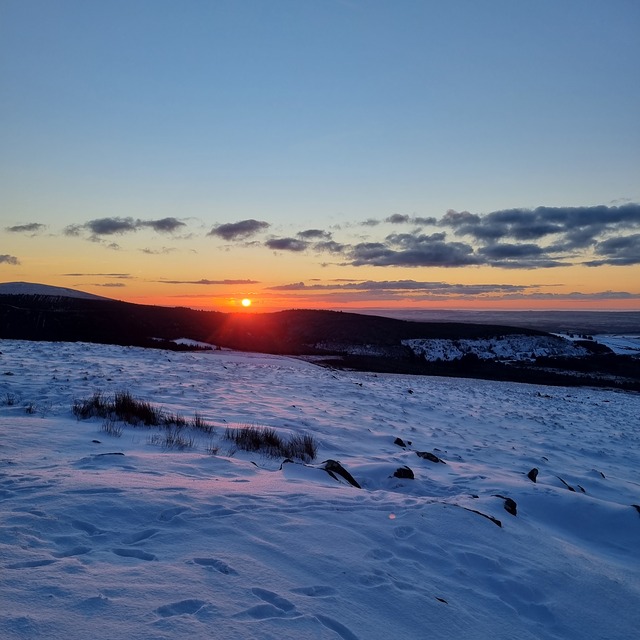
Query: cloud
[
  {"x": 7, "y": 259},
  {"x": 120, "y": 276},
  {"x": 158, "y": 252},
  {"x": 398, "y": 218},
  {"x": 31, "y": 227},
  {"x": 329, "y": 246},
  {"x": 117, "y": 226},
  {"x": 314, "y": 234},
  {"x": 456, "y": 218},
  {"x": 110, "y": 226},
  {"x": 371, "y": 222},
  {"x": 408, "y": 250},
  {"x": 407, "y": 285},
  {"x": 287, "y": 244},
  {"x": 506, "y": 251},
  {"x": 111, "y": 285},
  {"x": 73, "y": 230},
  {"x": 164, "y": 225},
  {"x": 578, "y": 224},
  {"x": 209, "y": 282},
  {"x": 238, "y": 230},
  {"x": 622, "y": 251}
]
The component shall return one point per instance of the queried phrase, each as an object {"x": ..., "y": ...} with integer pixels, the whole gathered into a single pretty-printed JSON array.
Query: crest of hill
[{"x": 34, "y": 289}]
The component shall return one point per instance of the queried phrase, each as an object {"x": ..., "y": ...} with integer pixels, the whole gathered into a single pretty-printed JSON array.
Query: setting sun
[{"x": 246, "y": 302}]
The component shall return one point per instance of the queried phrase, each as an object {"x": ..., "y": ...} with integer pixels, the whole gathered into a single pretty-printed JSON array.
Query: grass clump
[
  {"x": 267, "y": 441},
  {"x": 112, "y": 428},
  {"x": 172, "y": 438},
  {"x": 134, "y": 411}
]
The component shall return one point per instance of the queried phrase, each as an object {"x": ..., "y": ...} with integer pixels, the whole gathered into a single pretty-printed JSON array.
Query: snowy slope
[
  {"x": 106, "y": 537},
  {"x": 32, "y": 289},
  {"x": 512, "y": 347}
]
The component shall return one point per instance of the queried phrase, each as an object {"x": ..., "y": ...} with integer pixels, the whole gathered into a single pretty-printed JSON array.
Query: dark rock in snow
[
  {"x": 403, "y": 472},
  {"x": 510, "y": 505},
  {"x": 636, "y": 507},
  {"x": 565, "y": 484},
  {"x": 533, "y": 474},
  {"x": 332, "y": 468},
  {"x": 400, "y": 442},
  {"x": 427, "y": 455}
]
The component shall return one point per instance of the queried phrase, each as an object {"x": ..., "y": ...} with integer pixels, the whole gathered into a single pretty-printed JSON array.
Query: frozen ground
[{"x": 106, "y": 537}]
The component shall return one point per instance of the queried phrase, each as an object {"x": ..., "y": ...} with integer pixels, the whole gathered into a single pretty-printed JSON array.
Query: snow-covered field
[{"x": 173, "y": 544}]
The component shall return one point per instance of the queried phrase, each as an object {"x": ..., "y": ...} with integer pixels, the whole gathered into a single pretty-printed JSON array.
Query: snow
[
  {"x": 104, "y": 537},
  {"x": 622, "y": 345},
  {"x": 32, "y": 289},
  {"x": 510, "y": 348}
]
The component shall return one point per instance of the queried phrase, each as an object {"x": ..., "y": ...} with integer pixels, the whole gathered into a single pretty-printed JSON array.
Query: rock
[
  {"x": 403, "y": 472},
  {"x": 533, "y": 474},
  {"x": 400, "y": 442},
  {"x": 565, "y": 484},
  {"x": 510, "y": 505},
  {"x": 636, "y": 507},
  {"x": 427, "y": 455},
  {"x": 332, "y": 467}
]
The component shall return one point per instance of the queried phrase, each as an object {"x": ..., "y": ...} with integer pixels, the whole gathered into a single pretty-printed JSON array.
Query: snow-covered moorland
[{"x": 117, "y": 537}]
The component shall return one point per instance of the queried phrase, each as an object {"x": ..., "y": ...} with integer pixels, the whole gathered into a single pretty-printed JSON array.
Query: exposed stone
[
  {"x": 510, "y": 505},
  {"x": 332, "y": 467},
  {"x": 565, "y": 484},
  {"x": 533, "y": 474},
  {"x": 427, "y": 455},
  {"x": 403, "y": 472},
  {"x": 400, "y": 442}
]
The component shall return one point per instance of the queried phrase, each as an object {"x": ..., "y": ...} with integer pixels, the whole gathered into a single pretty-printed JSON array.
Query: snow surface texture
[
  {"x": 510, "y": 348},
  {"x": 105, "y": 537}
]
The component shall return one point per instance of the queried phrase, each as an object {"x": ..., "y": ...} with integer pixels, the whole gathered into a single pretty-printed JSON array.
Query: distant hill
[
  {"x": 32, "y": 289},
  {"x": 39, "y": 312}
]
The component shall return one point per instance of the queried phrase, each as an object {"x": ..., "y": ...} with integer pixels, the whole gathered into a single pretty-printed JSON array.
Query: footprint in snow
[
  {"x": 218, "y": 565},
  {"x": 140, "y": 536},
  {"x": 134, "y": 553},
  {"x": 316, "y": 591},
  {"x": 182, "y": 607},
  {"x": 274, "y": 599},
  {"x": 337, "y": 627}
]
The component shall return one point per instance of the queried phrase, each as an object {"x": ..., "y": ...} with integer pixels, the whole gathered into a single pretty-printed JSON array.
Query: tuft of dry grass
[{"x": 267, "y": 441}]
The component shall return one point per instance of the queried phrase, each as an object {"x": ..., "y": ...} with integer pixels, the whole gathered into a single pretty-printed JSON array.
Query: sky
[{"x": 336, "y": 154}]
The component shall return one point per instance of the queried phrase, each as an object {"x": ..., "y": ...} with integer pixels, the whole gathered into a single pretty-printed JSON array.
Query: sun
[{"x": 246, "y": 302}]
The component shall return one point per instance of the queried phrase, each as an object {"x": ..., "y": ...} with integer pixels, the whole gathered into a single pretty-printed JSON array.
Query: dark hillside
[{"x": 40, "y": 317}]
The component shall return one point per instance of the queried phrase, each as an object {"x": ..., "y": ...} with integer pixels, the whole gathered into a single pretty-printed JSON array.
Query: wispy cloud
[
  {"x": 118, "y": 276},
  {"x": 7, "y": 259},
  {"x": 407, "y": 285},
  {"x": 314, "y": 234},
  {"x": 204, "y": 281},
  {"x": 31, "y": 228}
]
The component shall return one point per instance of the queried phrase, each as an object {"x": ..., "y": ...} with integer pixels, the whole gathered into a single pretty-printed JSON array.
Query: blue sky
[{"x": 312, "y": 115}]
